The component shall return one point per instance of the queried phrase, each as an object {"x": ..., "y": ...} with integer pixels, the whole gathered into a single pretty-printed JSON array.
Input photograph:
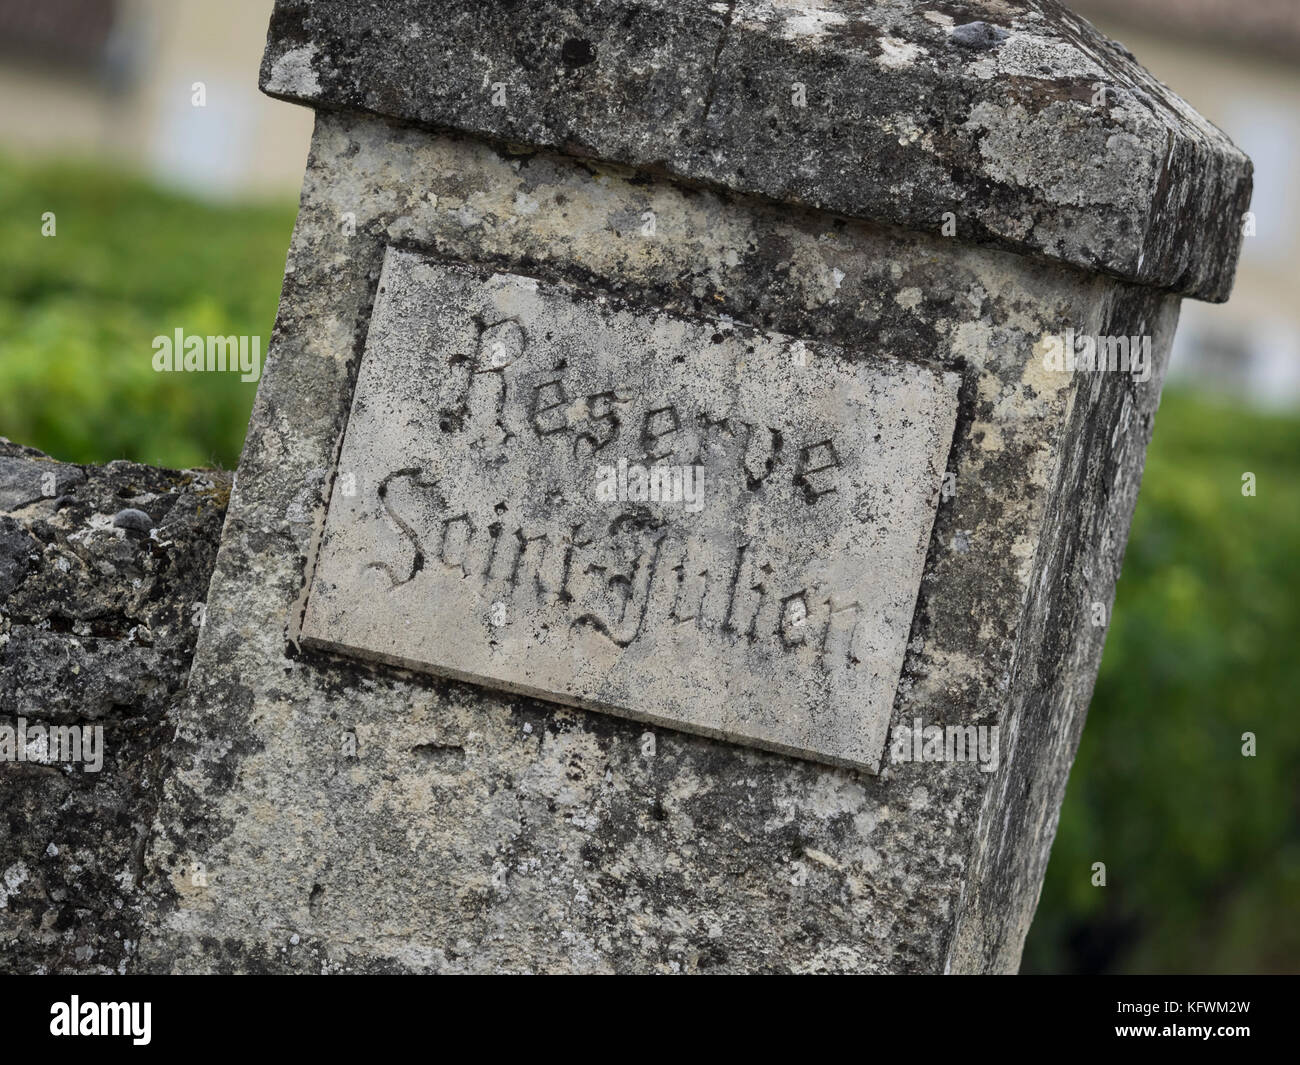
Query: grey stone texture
[
  {"x": 1038, "y": 132},
  {"x": 97, "y": 628},
  {"x": 351, "y": 815}
]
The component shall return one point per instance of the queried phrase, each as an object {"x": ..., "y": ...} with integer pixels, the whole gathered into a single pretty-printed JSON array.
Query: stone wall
[{"x": 103, "y": 573}]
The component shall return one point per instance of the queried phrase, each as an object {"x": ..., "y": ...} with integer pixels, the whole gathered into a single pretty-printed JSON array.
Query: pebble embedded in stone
[
  {"x": 978, "y": 35},
  {"x": 135, "y": 522}
]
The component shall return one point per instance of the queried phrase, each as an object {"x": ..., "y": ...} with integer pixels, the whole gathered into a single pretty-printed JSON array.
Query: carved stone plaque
[{"x": 680, "y": 521}]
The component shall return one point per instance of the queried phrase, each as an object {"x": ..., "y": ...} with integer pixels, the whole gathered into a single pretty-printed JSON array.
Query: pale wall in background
[
  {"x": 1250, "y": 346},
  {"x": 137, "y": 108}
]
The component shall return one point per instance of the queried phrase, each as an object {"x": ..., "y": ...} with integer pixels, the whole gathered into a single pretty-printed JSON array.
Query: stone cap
[{"x": 1034, "y": 130}]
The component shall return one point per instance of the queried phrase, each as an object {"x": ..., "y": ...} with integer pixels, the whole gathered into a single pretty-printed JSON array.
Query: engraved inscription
[{"x": 665, "y": 519}]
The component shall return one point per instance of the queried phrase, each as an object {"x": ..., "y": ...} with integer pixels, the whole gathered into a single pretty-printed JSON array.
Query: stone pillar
[{"x": 683, "y": 503}]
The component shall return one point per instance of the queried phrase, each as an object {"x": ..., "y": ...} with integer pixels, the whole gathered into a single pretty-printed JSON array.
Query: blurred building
[
  {"x": 1238, "y": 63},
  {"x": 117, "y": 79}
]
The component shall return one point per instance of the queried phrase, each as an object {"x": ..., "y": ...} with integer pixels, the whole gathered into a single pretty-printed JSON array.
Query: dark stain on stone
[
  {"x": 577, "y": 52},
  {"x": 441, "y": 755}
]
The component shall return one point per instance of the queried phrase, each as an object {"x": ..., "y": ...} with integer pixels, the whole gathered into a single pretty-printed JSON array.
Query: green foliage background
[
  {"x": 1201, "y": 845},
  {"x": 79, "y": 312}
]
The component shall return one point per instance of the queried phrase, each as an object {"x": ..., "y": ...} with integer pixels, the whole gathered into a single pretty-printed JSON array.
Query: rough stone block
[{"x": 97, "y": 630}]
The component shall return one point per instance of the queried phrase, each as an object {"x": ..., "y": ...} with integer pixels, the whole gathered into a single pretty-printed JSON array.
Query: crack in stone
[{"x": 723, "y": 37}]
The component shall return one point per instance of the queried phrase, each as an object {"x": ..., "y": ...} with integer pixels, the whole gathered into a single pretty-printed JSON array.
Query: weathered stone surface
[
  {"x": 97, "y": 628},
  {"x": 1018, "y": 117},
  {"x": 476, "y": 831},
  {"x": 759, "y": 587}
]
